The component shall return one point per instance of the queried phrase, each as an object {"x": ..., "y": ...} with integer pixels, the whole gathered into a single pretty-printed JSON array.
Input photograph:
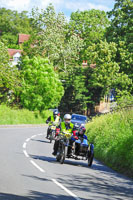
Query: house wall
[{"x": 16, "y": 58}]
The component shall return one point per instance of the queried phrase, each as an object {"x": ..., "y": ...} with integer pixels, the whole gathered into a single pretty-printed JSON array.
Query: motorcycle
[
  {"x": 52, "y": 128},
  {"x": 63, "y": 139}
]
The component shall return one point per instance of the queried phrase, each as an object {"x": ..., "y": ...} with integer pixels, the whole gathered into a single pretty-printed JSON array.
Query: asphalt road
[{"x": 28, "y": 171}]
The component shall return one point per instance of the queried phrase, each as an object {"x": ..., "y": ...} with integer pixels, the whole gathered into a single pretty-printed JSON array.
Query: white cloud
[
  {"x": 16, "y": 4},
  {"x": 66, "y": 6},
  {"x": 85, "y": 6},
  {"x": 56, "y": 3},
  {"x": 45, "y": 3}
]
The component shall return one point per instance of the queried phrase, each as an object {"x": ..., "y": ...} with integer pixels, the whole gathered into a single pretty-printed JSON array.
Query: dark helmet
[
  {"x": 55, "y": 112},
  {"x": 82, "y": 130}
]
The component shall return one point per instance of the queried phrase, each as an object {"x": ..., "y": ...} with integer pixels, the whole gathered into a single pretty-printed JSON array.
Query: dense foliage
[
  {"x": 90, "y": 25},
  {"x": 120, "y": 31},
  {"x": 106, "y": 74},
  {"x": 11, "y": 24},
  {"x": 9, "y": 76},
  {"x": 49, "y": 39},
  {"x": 112, "y": 135},
  {"x": 40, "y": 87},
  {"x": 75, "y": 98},
  {"x": 89, "y": 35}
]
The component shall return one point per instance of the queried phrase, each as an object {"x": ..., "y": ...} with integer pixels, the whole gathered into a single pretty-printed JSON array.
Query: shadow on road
[
  {"x": 100, "y": 180},
  {"x": 100, "y": 187},
  {"x": 97, "y": 166},
  {"x": 53, "y": 160},
  {"x": 34, "y": 195},
  {"x": 44, "y": 141}
]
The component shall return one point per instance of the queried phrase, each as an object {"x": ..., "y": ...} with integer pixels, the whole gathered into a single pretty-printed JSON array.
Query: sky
[{"x": 65, "y": 6}]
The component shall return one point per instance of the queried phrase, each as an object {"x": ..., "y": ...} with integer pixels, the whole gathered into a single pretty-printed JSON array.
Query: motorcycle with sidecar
[{"x": 80, "y": 148}]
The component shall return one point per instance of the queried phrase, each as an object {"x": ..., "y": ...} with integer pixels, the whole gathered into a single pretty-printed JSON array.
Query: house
[
  {"x": 22, "y": 38},
  {"x": 85, "y": 64},
  {"x": 15, "y": 54}
]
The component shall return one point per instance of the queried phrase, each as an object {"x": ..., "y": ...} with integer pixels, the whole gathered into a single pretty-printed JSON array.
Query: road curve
[{"x": 28, "y": 171}]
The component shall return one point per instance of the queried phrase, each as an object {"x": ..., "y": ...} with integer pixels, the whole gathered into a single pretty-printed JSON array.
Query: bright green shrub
[
  {"x": 112, "y": 135},
  {"x": 23, "y": 116}
]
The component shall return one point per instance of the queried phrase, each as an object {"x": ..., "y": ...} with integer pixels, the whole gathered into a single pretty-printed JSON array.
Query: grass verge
[
  {"x": 112, "y": 135},
  {"x": 10, "y": 116}
]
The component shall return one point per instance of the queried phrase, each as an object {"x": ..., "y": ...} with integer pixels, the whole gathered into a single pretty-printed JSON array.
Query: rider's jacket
[
  {"x": 68, "y": 128},
  {"x": 51, "y": 119}
]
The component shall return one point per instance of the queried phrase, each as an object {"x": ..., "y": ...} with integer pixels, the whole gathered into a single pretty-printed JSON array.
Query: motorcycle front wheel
[{"x": 62, "y": 154}]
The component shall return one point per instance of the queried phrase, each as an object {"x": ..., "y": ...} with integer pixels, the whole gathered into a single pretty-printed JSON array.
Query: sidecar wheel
[{"x": 90, "y": 159}]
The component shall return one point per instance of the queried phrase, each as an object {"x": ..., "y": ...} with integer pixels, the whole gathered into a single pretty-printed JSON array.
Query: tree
[
  {"x": 106, "y": 75},
  {"x": 74, "y": 99},
  {"x": 120, "y": 31},
  {"x": 90, "y": 25},
  {"x": 49, "y": 39},
  {"x": 9, "y": 77},
  {"x": 41, "y": 88},
  {"x": 11, "y": 24}
]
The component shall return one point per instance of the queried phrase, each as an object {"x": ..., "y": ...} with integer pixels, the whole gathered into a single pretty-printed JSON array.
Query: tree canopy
[
  {"x": 51, "y": 69},
  {"x": 90, "y": 25},
  {"x": 41, "y": 88},
  {"x": 9, "y": 76},
  {"x": 11, "y": 24},
  {"x": 49, "y": 39},
  {"x": 120, "y": 31}
]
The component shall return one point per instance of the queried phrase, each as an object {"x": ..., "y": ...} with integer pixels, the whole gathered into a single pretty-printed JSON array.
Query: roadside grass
[
  {"x": 112, "y": 135},
  {"x": 14, "y": 116}
]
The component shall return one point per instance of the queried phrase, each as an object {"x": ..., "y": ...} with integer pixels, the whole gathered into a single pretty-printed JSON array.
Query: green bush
[
  {"x": 112, "y": 135},
  {"x": 23, "y": 116}
]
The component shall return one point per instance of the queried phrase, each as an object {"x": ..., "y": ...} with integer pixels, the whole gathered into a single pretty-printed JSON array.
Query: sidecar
[{"x": 83, "y": 150}]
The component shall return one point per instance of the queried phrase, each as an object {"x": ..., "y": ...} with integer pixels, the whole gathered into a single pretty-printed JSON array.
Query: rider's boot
[{"x": 48, "y": 133}]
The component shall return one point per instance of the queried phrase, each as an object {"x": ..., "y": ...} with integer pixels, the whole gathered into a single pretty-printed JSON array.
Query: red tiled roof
[
  {"x": 23, "y": 37},
  {"x": 13, "y": 51}
]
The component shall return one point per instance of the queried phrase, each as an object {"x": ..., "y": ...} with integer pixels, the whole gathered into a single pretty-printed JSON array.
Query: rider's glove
[{"x": 75, "y": 137}]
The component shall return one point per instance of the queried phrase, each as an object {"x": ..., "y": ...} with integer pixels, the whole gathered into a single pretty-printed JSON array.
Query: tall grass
[
  {"x": 23, "y": 116},
  {"x": 112, "y": 135}
]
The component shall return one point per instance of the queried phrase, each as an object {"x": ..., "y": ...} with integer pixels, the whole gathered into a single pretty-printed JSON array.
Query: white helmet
[{"x": 67, "y": 116}]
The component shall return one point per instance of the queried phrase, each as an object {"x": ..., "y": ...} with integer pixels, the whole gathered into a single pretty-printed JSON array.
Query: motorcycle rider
[
  {"x": 66, "y": 125},
  {"x": 53, "y": 119},
  {"x": 77, "y": 135}
]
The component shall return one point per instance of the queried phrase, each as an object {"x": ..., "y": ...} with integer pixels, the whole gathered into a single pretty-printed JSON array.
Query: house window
[{"x": 16, "y": 59}]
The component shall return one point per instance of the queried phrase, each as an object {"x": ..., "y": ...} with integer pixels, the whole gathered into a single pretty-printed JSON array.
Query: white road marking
[
  {"x": 41, "y": 134},
  {"x": 33, "y": 136},
  {"x": 40, "y": 169},
  {"x": 37, "y": 166},
  {"x": 24, "y": 145},
  {"x": 28, "y": 139},
  {"x": 64, "y": 188},
  {"x": 25, "y": 153}
]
